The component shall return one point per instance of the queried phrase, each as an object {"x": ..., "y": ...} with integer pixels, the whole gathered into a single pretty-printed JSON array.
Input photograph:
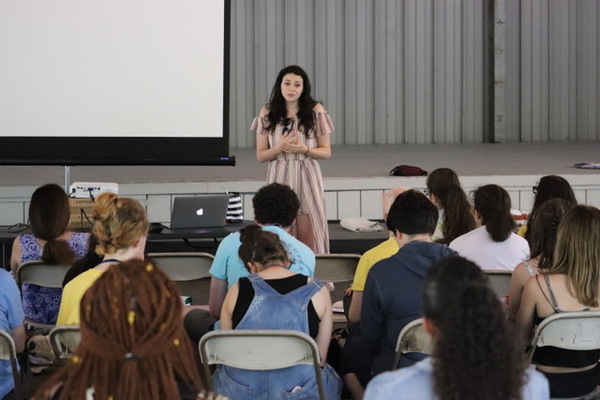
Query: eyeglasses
[{"x": 534, "y": 189}]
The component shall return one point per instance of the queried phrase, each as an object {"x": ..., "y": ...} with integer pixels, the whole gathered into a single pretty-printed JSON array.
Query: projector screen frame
[{"x": 125, "y": 150}]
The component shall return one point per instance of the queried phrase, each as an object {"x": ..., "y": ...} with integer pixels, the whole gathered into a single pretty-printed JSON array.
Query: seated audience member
[
  {"x": 273, "y": 297},
  {"x": 392, "y": 296},
  {"x": 51, "y": 242},
  {"x": 456, "y": 217},
  {"x": 570, "y": 284},
  {"x": 474, "y": 356},
  {"x": 88, "y": 261},
  {"x": 542, "y": 239},
  {"x": 11, "y": 321},
  {"x": 120, "y": 226},
  {"x": 133, "y": 345},
  {"x": 492, "y": 246},
  {"x": 549, "y": 187},
  {"x": 275, "y": 209},
  {"x": 370, "y": 257}
]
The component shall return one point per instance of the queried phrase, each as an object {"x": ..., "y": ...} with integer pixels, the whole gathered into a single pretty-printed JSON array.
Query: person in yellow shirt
[{"x": 383, "y": 250}]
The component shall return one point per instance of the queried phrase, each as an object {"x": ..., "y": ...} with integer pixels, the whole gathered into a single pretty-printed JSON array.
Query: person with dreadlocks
[
  {"x": 133, "y": 345},
  {"x": 475, "y": 354}
]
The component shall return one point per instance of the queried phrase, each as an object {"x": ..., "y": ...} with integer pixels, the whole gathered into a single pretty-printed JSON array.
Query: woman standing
[{"x": 292, "y": 133}]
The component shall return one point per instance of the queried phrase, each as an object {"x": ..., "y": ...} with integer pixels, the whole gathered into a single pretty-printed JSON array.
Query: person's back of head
[
  {"x": 119, "y": 222},
  {"x": 577, "y": 253},
  {"x": 550, "y": 187},
  {"x": 443, "y": 183},
  {"x": 475, "y": 354},
  {"x": 543, "y": 231},
  {"x": 493, "y": 204},
  {"x": 260, "y": 247},
  {"x": 49, "y": 215},
  {"x": 412, "y": 213},
  {"x": 275, "y": 204},
  {"x": 133, "y": 345}
]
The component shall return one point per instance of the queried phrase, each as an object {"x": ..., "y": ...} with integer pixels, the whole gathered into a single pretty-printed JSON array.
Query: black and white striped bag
[{"x": 235, "y": 210}]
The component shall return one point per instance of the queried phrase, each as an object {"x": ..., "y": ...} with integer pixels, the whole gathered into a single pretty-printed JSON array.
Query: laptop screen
[{"x": 203, "y": 211}]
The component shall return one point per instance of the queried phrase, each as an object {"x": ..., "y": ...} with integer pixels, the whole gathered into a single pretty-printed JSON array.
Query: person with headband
[
  {"x": 475, "y": 354},
  {"x": 273, "y": 297},
  {"x": 133, "y": 345}
]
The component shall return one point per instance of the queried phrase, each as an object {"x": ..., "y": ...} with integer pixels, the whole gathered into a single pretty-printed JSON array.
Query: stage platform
[{"x": 354, "y": 177}]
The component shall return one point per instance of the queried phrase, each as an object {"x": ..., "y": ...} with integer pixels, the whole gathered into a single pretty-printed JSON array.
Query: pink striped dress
[{"x": 302, "y": 173}]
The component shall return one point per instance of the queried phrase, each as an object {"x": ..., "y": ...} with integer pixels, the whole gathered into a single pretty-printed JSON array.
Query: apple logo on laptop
[{"x": 200, "y": 211}]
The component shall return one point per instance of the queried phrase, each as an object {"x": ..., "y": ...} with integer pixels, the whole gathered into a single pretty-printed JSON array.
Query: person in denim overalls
[{"x": 272, "y": 297}]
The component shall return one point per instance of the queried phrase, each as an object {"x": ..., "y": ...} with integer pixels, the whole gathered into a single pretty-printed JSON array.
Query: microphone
[{"x": 289, "y": 123}]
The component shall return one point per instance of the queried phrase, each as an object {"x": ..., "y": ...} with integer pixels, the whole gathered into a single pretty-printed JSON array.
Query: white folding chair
[
  {"x": 8, "y": 352},
  {"x": 500, "y": 281},
  {"x": 189, "y": 271},
  {"x": 412, "y": 339},
  {"x": 39, "y": 273},
  {"x": 568, "y": 330},
  {"x": 64, "y": 340},
  {"x": 260, "y": 349}
]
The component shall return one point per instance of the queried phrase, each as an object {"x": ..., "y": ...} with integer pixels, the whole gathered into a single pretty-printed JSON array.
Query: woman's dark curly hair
[
  {"x": 475, "y": 353},
  {"x": 458, "y": 217},
  {"x": 550, "y": 187},
  {"x": 543, "y": 231},
  {"x": 277, "y": 109},
  {"x": 260, "y": 246},
  {"x": 493, "y": 204}
]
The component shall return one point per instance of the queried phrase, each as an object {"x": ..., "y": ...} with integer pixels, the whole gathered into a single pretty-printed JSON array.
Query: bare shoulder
[
  {"x": 319, "y": 109},
  {"x": 264, "y": 110}
]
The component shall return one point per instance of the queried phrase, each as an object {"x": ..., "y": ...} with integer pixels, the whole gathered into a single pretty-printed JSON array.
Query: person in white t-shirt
[{"x": 494, "y": 245}]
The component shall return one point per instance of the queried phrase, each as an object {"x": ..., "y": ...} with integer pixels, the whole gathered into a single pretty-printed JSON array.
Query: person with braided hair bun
[
  {"x": 133, "y": 345},
  {"x": 475, "y": 355},
  {"x": 494, "y": 245},
  {"x": 542, "y": 238},
  {"x": 120, "y": 225}
]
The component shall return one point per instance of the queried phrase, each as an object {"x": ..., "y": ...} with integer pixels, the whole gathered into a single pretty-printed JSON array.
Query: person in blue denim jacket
[{"x": 273, "y": 297}]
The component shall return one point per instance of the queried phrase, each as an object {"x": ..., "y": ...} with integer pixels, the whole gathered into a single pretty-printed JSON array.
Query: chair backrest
[
  {"x": 8, "y": 352},
  {"x": 500, "y": 281},
  {"x": 412, "y": 339},
  {"x": 64, "y": 340},
  {"x": 259, "y": 349},
  {"x": 568, "y": 330},
  {"x": 40, "y": 273},
  {"x": 336, "y": 268},
  {"x": 189, "y": 271}
]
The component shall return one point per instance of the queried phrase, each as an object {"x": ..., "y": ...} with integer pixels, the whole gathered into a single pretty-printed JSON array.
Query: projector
[{"x": 89, "y": 190}]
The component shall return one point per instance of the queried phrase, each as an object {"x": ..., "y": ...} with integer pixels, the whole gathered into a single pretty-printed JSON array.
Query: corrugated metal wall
[
  {"x": 414, "y": 71},
  {"x": 388, "y": 71},
  {"x": 553, "y": 64}
]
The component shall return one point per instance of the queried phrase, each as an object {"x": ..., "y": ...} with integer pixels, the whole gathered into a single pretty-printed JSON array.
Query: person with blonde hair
[
  {"x": 571, "y": 284},
  {"x": 133, "y": 345},
  {"x": 121, "y": 227},
  {"x": 383, "y": 250}
]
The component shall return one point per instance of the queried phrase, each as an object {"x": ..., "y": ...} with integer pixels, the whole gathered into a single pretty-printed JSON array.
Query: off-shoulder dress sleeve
[
  {"x": 260, "y": 125},
  {"x": 323, "y": 124}
]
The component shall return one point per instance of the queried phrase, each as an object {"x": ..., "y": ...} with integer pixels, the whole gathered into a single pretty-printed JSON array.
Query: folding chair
[
  {"x": 412, "y": 339},
  {"x": 259, "y": 349},
  {"x": 500, "y": 281},
  {"x": 569, "y": 330},
  {"x": 64, "y": 340},
  {"x": 39, "y": 273},
  {"x": 189, "y": 271},
  {"x": 338, "y": 269},
  {"x": 9, "y": 352}
]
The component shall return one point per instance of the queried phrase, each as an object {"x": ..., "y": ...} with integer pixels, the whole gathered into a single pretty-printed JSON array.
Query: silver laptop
[{"x": 203, "y": 211}]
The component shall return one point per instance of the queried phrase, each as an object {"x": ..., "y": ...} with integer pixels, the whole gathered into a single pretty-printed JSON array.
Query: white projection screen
[{"x": 114, "y": 82}]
